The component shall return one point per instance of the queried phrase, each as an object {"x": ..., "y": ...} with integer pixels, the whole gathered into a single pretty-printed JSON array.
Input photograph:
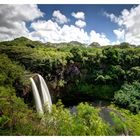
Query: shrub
[
  {"x": 128, "y": 96},
  {"x": 85, "y": 121},
  {"x": 125, "y": 122}
]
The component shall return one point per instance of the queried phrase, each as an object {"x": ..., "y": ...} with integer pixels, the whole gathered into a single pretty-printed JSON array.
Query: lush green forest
[{"x": 76, "y": 74}]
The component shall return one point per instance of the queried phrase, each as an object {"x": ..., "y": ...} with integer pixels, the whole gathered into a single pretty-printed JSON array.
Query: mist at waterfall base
[{"x": 41, "y": 94}]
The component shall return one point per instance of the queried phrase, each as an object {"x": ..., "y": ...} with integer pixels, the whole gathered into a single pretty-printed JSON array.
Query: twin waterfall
[{"x": 41, "y": 94}]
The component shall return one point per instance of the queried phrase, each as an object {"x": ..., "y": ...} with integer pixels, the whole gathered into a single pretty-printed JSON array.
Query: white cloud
[
  {"x": 128, "y": 22},
  {"x": 46, "y": 31},
  {"x": 45, "y": 25},
  {"x": 73, "y": 33},
  {"x": 79, "y": 15},
  {"x": 52, "y": 32},
  {"x": 113, "y": 18},
  {"x": 115, "y": 42},
  {"x": 59, "y": 17},
  {"x": 49, "y": 31},
  {"x": 120, "y": 34},
  {"x": 100, "y": 38},
  {"x": 80, "y": 23},
  {"x": 13, "y": 20}
]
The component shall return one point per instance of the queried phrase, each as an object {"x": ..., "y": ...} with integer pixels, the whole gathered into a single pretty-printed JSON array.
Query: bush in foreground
[{"x": 129, "y": 96}]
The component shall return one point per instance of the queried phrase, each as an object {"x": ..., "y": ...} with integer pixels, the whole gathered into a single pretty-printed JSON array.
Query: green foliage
[
  {"x": 61, "y": 83},
  {"x": 79, "y": 72},
  {"x": 124, "y": 45},
  {"x": 85, "y": 121},
  {"x": 133, "y": 123},
  {"x": 69, "y": 62},
  {"x": 134, "y": 73},
  {"x": 104, "y": 91},
  {"x": 85, "y": 88},
  {"x": 129, "y": 96},
  {"x": 15, "y": 115},
  {"x": 125, "y": 122},
  {"x": 112, "y": 56},
  {"x": 9, "y": 71},
  {"x": 119, "y": 125}
]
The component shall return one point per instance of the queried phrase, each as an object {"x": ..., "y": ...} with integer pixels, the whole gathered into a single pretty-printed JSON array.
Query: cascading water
[
  {"x": 45, "y": 93},
  {"x": 37, "y": 99},
  {"x": 41, "y": 94}
]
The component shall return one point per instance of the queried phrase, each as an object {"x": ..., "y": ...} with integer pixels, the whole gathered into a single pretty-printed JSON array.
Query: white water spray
[
  {"x": 41, "y": 94},
  {"x": 45, "y": 93},
  {"x": 37, "y": 98}
]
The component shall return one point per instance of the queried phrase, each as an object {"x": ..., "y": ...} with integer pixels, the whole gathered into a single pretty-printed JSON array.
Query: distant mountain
[
  {"x": 57, "y": 45},
  {"x": 23, "y": 41},
  {"x": 94, "y": 44},
  {"x": 65, "y": 44},
  {"x": 76, "y": 43}
]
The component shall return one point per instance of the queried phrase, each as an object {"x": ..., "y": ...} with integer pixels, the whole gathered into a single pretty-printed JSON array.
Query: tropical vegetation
[{"x": 78, "y": 75}]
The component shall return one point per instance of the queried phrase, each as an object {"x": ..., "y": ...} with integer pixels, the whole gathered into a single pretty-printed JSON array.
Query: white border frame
[{"x": 69, "y": 1}]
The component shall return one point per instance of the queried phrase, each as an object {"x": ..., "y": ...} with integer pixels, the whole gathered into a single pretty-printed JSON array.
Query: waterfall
[
  {"x": 37, "y": 99},
  {"x": 41, "y": 94},
  {"x": 45, "y": 93}
]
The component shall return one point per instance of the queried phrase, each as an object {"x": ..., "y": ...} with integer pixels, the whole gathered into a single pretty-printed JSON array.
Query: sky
[{"x": 105, "y": 24}]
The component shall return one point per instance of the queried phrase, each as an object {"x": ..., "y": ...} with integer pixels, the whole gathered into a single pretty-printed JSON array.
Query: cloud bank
[
  {"x": 13, "y": 19},
  {"x": 15, "y": 22},
  {"x": 128, "y": 25}
]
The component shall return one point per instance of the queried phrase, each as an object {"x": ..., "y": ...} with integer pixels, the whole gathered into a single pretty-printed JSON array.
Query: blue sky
[
  {"x": 94, "y": 15},
  {"x": 105, "y": 24}
]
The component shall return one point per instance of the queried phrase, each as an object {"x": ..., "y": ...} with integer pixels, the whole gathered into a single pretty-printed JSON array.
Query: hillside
[{"x": 75, "y": 74}]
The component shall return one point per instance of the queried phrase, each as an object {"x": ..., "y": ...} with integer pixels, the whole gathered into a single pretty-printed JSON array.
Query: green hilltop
[{"x": 75, "y": 73}]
